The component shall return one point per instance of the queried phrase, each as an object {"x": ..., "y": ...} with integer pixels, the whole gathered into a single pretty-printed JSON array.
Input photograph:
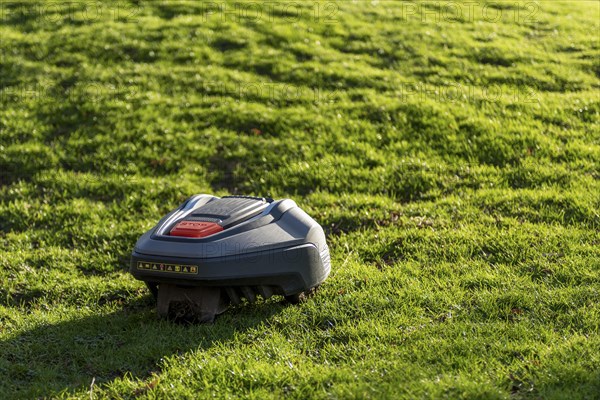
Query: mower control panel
[{"x": 218, "y": 214}]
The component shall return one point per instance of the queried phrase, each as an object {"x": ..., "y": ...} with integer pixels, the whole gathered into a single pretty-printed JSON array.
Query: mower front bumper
[{"x": 287, "y": 271}]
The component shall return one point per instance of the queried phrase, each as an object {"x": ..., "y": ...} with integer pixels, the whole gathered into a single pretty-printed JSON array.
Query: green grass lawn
[{"x": 450, "y": 150}]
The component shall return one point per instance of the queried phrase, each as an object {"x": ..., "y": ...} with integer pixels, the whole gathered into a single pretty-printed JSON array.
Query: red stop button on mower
[{"x": 195, "y": 229}]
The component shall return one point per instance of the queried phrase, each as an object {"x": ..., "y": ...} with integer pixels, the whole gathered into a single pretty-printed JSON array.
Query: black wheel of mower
[
  {"x": 153, "y": 287},
  {"x": 301, "y": 297}
]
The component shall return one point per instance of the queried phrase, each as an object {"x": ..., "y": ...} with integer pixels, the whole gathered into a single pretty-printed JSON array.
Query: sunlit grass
[{"x": 452, "y": 160}]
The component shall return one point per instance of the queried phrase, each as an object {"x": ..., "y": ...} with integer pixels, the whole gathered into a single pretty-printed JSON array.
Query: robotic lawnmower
[{"x": 211, "y": 252}]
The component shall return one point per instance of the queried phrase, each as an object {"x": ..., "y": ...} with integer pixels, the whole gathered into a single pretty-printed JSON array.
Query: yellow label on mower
[{"x": 164, "y": 267}]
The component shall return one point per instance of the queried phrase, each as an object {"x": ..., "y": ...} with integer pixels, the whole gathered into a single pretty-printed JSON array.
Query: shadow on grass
[{"x": 53, "y": 358}]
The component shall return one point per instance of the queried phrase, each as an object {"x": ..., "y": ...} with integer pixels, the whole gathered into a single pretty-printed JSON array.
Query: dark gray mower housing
[{"x": 213, "y": 251}]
